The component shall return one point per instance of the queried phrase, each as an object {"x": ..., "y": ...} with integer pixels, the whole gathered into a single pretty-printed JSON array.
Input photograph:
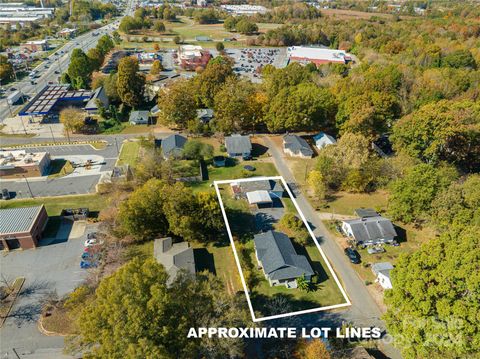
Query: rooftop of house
[
  {"x": 371, "y": 228},
  {"x": 383, "y": 267},
  {"x": 297, "y": 144},
  {"x": 323, "y": 137},
  {"x": 279, "y": 258},
  {"x": 261, "y": 185},
  {"x": 238, "y": 144},
  {"x": 258, "y": 197},
  {"x": 173, "y": 142},
  {"x": 18, "y": 220},
  {"x": 139, "y": 116},
  {"x": 366, "y": 212},
  {"x": 174, "y": 256}
]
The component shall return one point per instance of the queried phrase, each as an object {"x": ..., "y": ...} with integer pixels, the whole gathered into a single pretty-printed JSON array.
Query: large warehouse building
[
  {"x": 317, "y": 55},
  {"x": 22, "y": 227}
]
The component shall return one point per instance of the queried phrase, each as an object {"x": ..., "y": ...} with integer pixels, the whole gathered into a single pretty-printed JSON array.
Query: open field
[
  {"x": 244, "y": 221},
  {"x": 129, "y": 153},
  {"x": 354, "y": 14}
]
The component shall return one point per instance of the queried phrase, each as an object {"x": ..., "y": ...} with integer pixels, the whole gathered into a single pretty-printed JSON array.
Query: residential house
[
  {"x": 174, "y": 257},
  {"x": 278, "y": 259},
  {"x": 172, "y": 146},
  {"x": 382, "y": 273},
  {"x": 296, "y": 146},
  {"x": 322, "y": 140},
  {"x": 205, "y": 115},
  {"x": 274, "y": 187},
  {"x": 238, "y": 146},
  {"x": 99, "y": 98},
  {"x": 139, "y": 117},
  {"x": 370, "y": 229}
]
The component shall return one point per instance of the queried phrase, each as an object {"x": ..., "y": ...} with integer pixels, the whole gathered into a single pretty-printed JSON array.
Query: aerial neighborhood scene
[{"x": 229, "y": 179}]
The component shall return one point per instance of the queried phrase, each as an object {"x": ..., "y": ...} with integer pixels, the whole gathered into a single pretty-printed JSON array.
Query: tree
[
  {"x": 79, "y": 69},
  {"x": 95, "y": 57},
  {"x": 116, "y": 37},
  {"x": 302, "y": 107},
  {"x": 177, "y": 40},
  {"x": 433, "y": 307},
  {"x": 237, "y": 106},
  {"x": 295, "y": 227},
  {"x": 159, "y": 26},
  {"x": 246, "y": 27},
  {"x": 178, "y": 104},
  {"x": 6, "y": 69},
  {"x": 459, "y": 58},
  {"x": 211, "y": 79},
  {"x": 105, "y": 44},
  {"x": 316, "y": 184},
  {"x": 135, "y": 314},
  {"x": 444, "y": 130},
  {"x": 303, "y": 284},
  {"x": 73, "y": 119},
  {"x": 219, "y": 46},
  {"x": 197, "y": 150},
  {"x": 130, "y": 83},
  {"x": 141, "y": 216},
  {"x": 411, "y": 196},
  {"x": 156, "y": 67},
  {"x": 314, "y": 349},
  {"x": 229, "y": 23},
  {"x": 110, "y": 86},
  {"x": 277, "y": 79}
]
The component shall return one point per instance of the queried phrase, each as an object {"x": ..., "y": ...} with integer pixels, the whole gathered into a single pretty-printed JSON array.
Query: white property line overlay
[{"x": 237, "y": 260}]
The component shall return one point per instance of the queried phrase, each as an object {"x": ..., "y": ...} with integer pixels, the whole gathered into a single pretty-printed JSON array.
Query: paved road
[{"x": 364, "y": 311}]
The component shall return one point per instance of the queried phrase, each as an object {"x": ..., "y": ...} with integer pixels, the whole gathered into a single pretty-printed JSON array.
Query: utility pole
[
  {"x": 116, "y": 145},
  {"x": 28, "y": 185}
]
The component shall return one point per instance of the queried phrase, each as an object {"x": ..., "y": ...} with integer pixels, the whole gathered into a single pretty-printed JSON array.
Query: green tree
[
  {"x": 412, "y": 196},
  {"x": 135, "y": 314},
  {"x": 277, "y": 79},
  {"x": 444, "y": 130},
  {"x": 459, "y": 58},
  {"x": 433, "y": 308},
  {"x": 95, "y": 57},
  {"x": 105, "y": 44},
  {"x": 156, "y": 68},
  {"x": 209, "y": 82},
  {"x": 303, "y": 284},
  {"x": 178, "y": 104},
  {"x": 230, "y": 23},
  {"x": 316, "y": 184},
  {"x": 197, "y": 150},
  {"x": 79, "y": 69},
  {"x": 130, "y": 83},
  {"x": 116, "y": 37},
  {"x": 110, "y": 85},
  {"x": 141, "y": 215},
  {"x": 302, "y": 107},
  {"x": 219, "y": 46},
  {"x": 73, "y": 119},
  {"x": 6, "y": 69},
  {"x": 159, "y": 26},
  {"x": 246, "y": 27}
]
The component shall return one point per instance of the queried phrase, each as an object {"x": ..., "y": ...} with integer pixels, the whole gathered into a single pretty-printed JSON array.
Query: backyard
[{"x": 129, "y": 153}]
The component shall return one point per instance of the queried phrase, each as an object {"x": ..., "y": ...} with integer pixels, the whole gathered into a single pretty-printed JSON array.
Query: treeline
[{"x": 148, "y": 18}]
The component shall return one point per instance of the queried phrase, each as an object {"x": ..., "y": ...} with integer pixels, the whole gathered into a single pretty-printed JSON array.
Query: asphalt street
[{"x": 363, "y": 311}]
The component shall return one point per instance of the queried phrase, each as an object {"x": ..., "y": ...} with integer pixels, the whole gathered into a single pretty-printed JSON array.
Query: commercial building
[
  {"x": 34, "y": 46},
  {"x": 244, "y": 9},
  {"x": 22, "y": 14},
  {"x": 191, "y": 57},
  {"x": 317, "y": 55},
  {"x": 22, "y": 227},
  {"x": 20, "y": 163},
  {"x": 67, "y": 33}
]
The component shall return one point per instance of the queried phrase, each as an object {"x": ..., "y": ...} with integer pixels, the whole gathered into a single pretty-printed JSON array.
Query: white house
[
  {"x": 382, "y": 272},
  {"x": 322, "y": 140},
  {"x": 369, "y": 229}
]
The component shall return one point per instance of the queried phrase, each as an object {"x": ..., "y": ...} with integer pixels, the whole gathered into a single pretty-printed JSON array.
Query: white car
[{"x": 93, "y": 242}]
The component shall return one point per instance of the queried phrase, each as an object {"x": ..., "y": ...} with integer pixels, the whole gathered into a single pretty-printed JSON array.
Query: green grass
[
  {"x": 129, "y": 129},
  {"x": 59, "y": 168},
  {"x": 129, "y": 153},
  {"x": 54, "y": 205},
  {"x": 346, "y": 203}
]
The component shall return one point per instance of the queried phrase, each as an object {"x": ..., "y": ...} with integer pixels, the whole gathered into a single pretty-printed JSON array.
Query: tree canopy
[{"x": 130, "y": 83}]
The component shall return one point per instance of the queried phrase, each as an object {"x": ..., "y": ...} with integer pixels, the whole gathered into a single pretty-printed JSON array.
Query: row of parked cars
[{"x": 92, "y": 252}]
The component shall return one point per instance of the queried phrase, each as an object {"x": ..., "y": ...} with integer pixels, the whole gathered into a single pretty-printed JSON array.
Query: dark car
[
  {"x": 92, "y": 235},
  {"x": 85, "y": 264},
  {"x": 5, "y": 194},
  {"x": 352, "y": 255},
  {"x": 57, "y": 72}
]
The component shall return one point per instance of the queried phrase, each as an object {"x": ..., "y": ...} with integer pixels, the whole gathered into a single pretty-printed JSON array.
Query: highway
[{"x": 57, "y": 63}]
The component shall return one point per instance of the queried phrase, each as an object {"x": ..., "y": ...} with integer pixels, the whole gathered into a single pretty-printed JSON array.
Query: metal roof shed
[{"x": 259, "y": 197}]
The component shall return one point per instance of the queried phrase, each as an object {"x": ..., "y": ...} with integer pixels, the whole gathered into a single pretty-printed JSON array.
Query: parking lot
[{"x": 50, "y": 270}]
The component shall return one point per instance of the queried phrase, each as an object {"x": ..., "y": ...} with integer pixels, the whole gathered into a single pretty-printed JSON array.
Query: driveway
[
  {"x": 51, "y": 269},
  {"x": 363, "y": 311}
]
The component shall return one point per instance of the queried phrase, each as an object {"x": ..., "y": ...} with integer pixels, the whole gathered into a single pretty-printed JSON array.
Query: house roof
[
  {"x": 99, "y": 94},
  {"x": 322, "y": 139},
  {"x": 383, "y": 267},
  {"x": 371, "y": 228},
  {"x": 172, "y": 143},
  {"x": 205, "y": 113},
  {"x": 278, "y": 256},
  {"x": 174, "y": 257},
  {"x": 258, "y": 197},
  {"x": 18, "y": 220},
  {"x": 238, "y": 144},
  {"x": 261, "y": 185},
  {"x": 296, "y": 144},
  {"x": 366, "y": 212},
  {"x": 136, "y": 116},
  {"x": 155, "y": 110}
]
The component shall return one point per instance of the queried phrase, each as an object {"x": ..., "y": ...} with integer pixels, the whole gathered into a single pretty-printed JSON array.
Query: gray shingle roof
[
  {"x": 173, "y": 143},
  {"x": 261, "y": 185},
  {"x": 371, "y": 228},
  {"x": 18, "y": 220},
  {"x": 278, "y": 256},
  {"x": 296, "y": 144},
  {"x": 136, "y": 116},
  {"x": 174, "y": 256},
  {"x": 238, "y": 144},
  {"x": 366, "y": 212},
  {"x": 383, "y": 267}
]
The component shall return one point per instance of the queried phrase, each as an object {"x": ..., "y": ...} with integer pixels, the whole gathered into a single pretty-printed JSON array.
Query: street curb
[{"x": 63, "y": 143}]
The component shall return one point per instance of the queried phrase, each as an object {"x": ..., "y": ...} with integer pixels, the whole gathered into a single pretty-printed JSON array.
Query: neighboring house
[
  {"x": 238, "y": 146},
  {"x": 280, "y": 263},
  {"x": 322, "y": 140},
  {"x": 382, "y": 272},
  {"x": 205, "y": 115},
  {"x": 296, "y": 146},
  {"x": 174, "y": 257},
  {"x": 370, "y": 228},
  {"x": 139, "y": 117},
  {"x": 172, "y": 146},
  {"x": 274, "y": 187},
  {"x": 99, "y": 97}
]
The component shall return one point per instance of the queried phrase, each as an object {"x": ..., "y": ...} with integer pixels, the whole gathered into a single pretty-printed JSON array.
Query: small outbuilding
[
  {"x": 382, "y": 272},
  {"x": 296, "y": 146},
  {"x": 139, "y": 118},
  {"x": 322, "y": 140},
  {"x": 259, "y": 198},
  {"x": 205, "y": 115}
]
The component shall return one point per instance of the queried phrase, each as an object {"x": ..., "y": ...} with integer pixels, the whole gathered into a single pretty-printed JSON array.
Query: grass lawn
[
  {"x": 346, "y": 203},
  {"x": 59, "y": 168},
  {"x": 129, "y": 153},
  {"x": 54, "y": 205},
  {"x": 59, "y": 321},
  {"x": 129, "y": 129}
]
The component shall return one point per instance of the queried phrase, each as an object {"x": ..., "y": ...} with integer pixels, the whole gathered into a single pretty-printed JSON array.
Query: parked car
[
  {"x": 352, "y": 255},
  {"x": 375, "y": 250},
  {"x": 5, "y": 194},
  {"x": 93, "y": 242}
]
